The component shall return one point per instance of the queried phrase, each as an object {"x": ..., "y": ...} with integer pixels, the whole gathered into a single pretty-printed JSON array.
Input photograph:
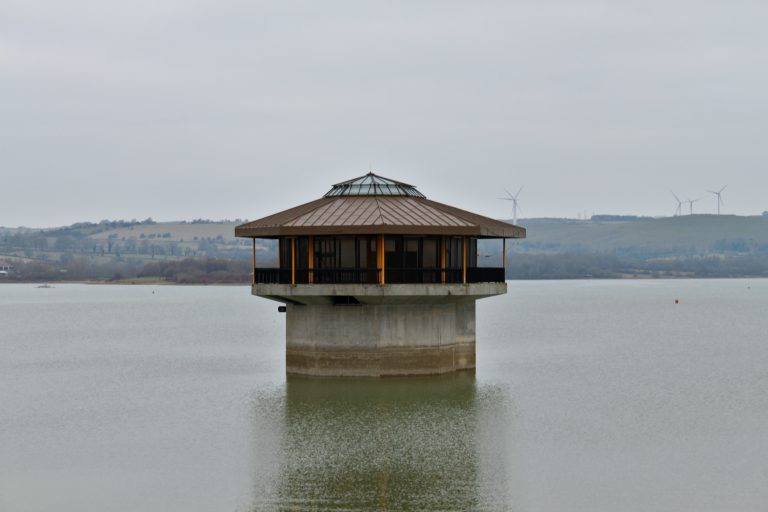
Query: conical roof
[
  {"x": 374, "y": 205},
  {"x": 373, "y": 185}
]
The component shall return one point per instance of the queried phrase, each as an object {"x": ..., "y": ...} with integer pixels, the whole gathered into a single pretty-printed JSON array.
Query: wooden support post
[
  {"x": 253, "y": 266},
  {"x": 311, "y": 277},
  {"x": 293, "y": 261},
  {"x": 504, "y": 257},
  {"x": 464, "y": 260},
  {"x": 380, "y": 258},
  {"x": 442, "y": 259}
]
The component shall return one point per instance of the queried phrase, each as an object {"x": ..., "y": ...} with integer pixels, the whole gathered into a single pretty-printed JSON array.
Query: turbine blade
[
  {"x": 724, "y": 187},
  {"x": 518, "y": 192}
]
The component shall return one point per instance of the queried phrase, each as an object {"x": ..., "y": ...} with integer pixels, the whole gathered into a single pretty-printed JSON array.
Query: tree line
[
  {"x": 186, "y": 271},
  {"x": 520, "y": 266}
]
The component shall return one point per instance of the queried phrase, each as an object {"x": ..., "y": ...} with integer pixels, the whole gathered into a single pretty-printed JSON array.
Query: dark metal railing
[
  {"x": 453, "y": 275},
  {"x": 485, "y": 275},
  {"x": 371, "y": 275},
  {"x": 412, "y": 275},
  {"x": 318, "y": 275},
  {"x": 343, "y": 275},
  {"x": 422, "y": 275},
  {"x": 272, "y": 275}
]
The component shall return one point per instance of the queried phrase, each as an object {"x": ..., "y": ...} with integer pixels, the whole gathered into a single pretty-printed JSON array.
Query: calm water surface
[{"x": 588, "y": 396}]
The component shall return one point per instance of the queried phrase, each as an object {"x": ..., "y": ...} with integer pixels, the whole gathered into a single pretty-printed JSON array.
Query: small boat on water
[{"x": 46, "y": 285}]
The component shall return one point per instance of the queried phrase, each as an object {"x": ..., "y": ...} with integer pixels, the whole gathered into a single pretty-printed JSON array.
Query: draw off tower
[{"x": 378, "y": 280}]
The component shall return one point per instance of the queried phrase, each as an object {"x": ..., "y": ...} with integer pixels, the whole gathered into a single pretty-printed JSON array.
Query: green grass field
[{"x": 179, "y": 231}]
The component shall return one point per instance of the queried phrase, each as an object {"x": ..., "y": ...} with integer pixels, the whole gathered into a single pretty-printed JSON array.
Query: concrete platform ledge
[{"x": 377, "y": 294}]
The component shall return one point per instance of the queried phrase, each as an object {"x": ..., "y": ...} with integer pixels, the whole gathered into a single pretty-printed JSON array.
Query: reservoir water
[{"x": 588, "y": 396}]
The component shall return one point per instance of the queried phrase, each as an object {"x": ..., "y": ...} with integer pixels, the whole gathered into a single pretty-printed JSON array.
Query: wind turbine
[
  {"x": 514, "y": 200},
  {"x": 719, "y": 197},
  {"x": 690, "y": 203},
  {"x": 679, "y": 209}
]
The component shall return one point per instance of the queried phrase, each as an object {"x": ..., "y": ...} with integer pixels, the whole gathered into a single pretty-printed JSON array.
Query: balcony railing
[
  {"x": 421, "y": 275},
  {"x": 371, "y": 275},
  {"x": 339, "y": 275},
  {"x": 485, "y": 275},
  {"x": 272, "y": 275}
]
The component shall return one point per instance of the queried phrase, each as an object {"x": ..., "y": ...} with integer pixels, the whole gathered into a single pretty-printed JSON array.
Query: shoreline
[
  {"x": 125, "y": 282},
  {"x": 163, "y": 282}
]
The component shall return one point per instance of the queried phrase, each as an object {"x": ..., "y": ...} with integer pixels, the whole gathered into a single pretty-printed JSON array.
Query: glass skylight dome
[{"x": 373, "y": 185}]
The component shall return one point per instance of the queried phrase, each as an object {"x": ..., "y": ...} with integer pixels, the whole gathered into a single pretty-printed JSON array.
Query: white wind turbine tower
[
  {"x": 514, "y": 200},
  {"x": 679, "y": 209},
  {"x": 719, "y": 197},
  {"x": 690, "y": 204}
]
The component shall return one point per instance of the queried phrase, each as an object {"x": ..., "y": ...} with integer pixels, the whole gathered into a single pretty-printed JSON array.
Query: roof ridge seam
[{"x": 378, "y": 207}]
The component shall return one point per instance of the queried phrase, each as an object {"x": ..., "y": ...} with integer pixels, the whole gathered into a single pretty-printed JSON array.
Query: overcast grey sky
[{"x": 182, "y": 109}]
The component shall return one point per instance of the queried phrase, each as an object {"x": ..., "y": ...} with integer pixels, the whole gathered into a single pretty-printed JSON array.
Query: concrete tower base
[
  {"x": 381, "y": 339},
  {"x": 372, "y": 330}
]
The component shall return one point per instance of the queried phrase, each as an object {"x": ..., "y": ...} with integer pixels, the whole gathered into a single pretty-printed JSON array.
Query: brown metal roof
[{"x": 372, "y": 215}]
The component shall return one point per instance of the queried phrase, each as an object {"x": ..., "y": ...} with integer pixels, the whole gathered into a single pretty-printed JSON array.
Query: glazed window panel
[
  {"x": 453, "y": 253},
  {"x": 347, "y": 254},
  {"x": 367, "y": 252},
  {"x": 431, "y": 253},
  {"x": 471, "y": 252},
  {"x": 411, "y": 256},
  {"x": 285, "y": 253},
  {"x": 393, "y": 252},
  {"x": 302, "y": 252},
  {"x": 325, "y": 252}
]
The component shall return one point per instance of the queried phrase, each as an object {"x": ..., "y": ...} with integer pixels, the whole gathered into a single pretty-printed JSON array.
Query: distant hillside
[
  {"x": 129, "y": 241},
  {"x": 648, "y": 238},
  {"x": 198, "y": 251},
  {"x": 171, "y": 231}
]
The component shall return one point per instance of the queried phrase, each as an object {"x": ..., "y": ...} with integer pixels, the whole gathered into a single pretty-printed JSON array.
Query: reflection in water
[{"x": 390, "y": 444}]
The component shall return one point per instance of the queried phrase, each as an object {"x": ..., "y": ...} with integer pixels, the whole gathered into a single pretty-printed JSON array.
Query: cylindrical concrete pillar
[{"x": 380, "y": 339}]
